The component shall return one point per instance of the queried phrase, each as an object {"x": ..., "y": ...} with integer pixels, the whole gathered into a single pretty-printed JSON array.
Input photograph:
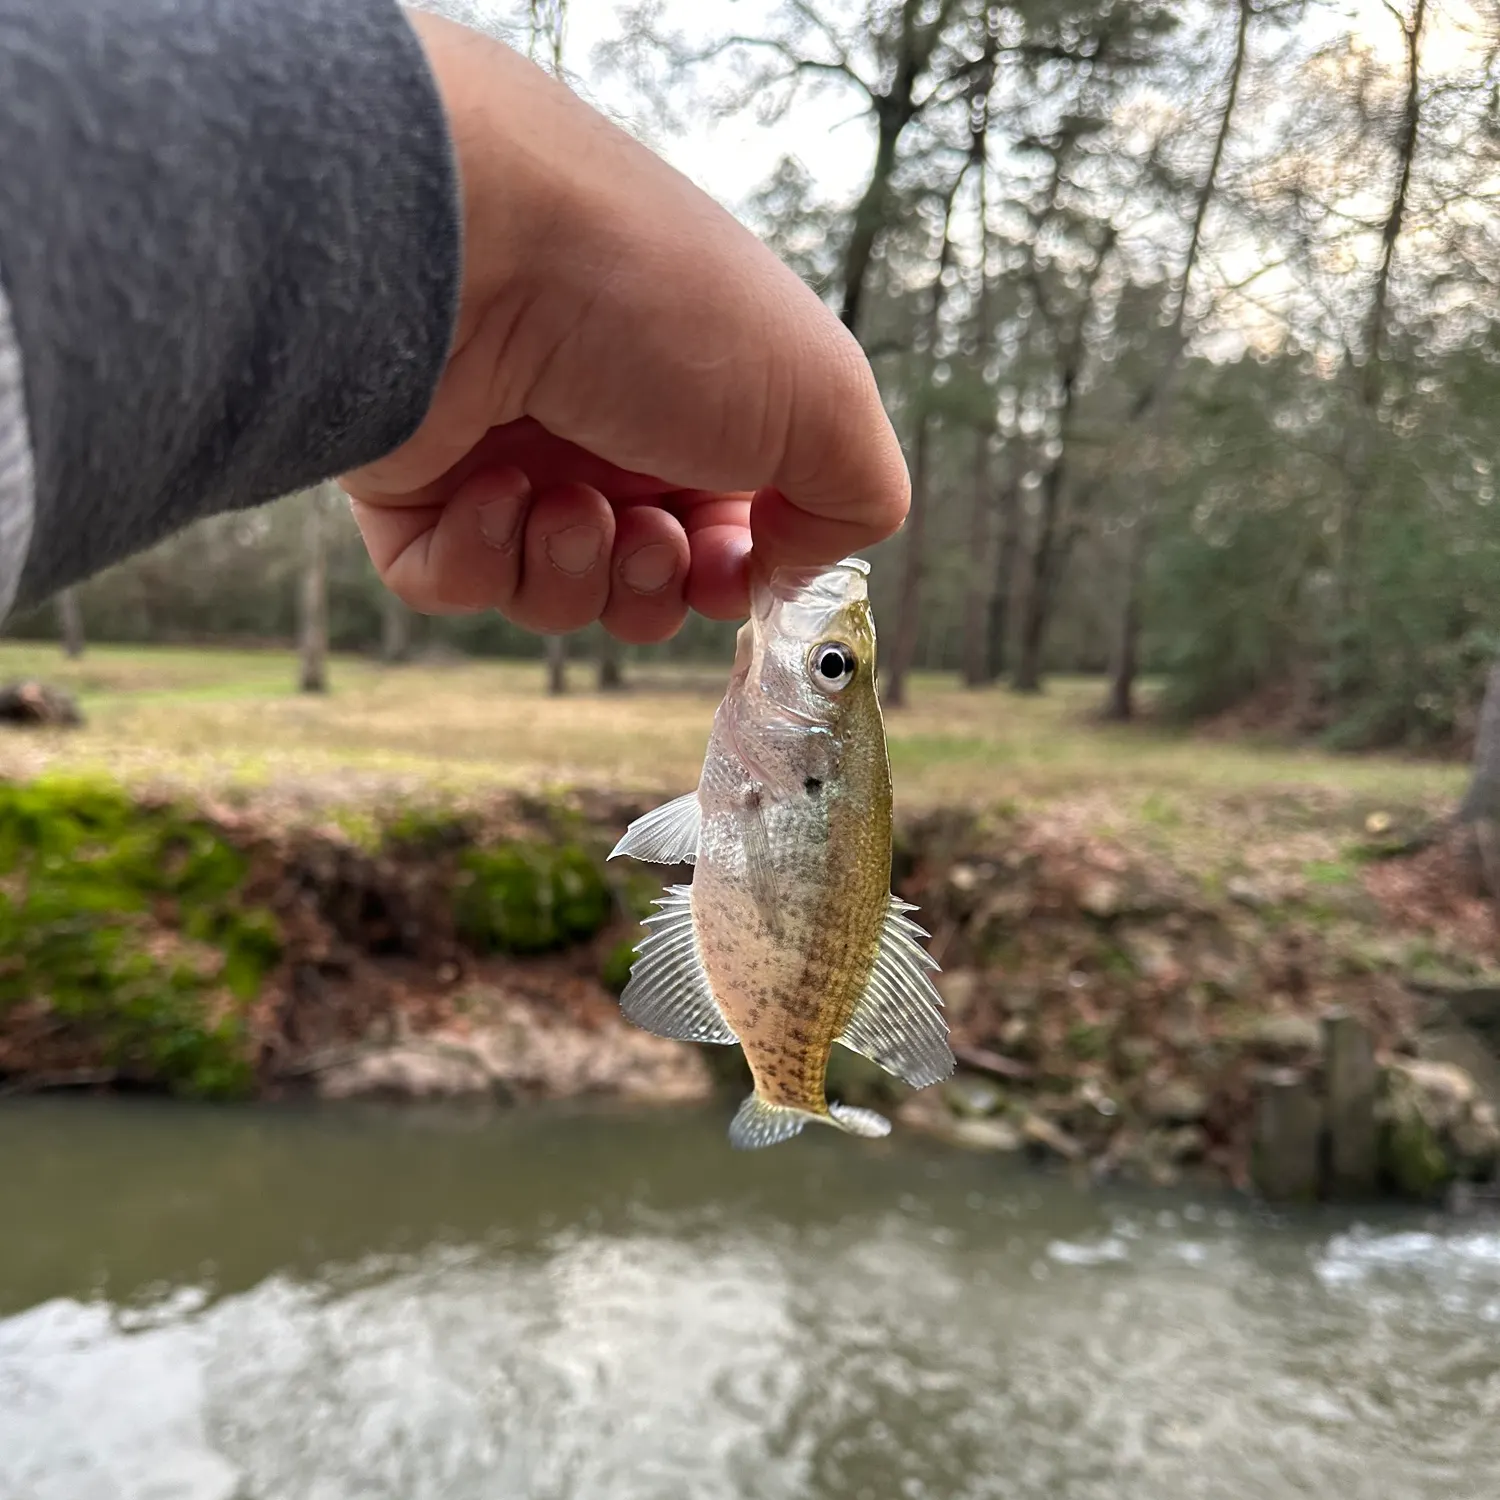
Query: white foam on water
[
  {"x": 1109, "y": 1251},
  {"x": 1361, "y": 1253},
  {"x": 92, "y": 1411}
]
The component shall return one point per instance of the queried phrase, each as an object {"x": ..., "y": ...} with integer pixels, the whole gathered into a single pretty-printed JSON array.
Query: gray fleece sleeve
[{"x": 229, "y": 263}]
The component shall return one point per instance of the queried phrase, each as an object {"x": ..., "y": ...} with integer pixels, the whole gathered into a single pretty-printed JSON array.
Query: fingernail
[
  {"x": 649, "y": 570},
  {"x": 500, "y": 519},
  {"x": 576, "y": 549}
]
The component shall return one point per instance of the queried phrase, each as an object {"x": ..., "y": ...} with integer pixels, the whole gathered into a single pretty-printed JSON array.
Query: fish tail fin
[
  {"x": 761, "y": 1123},
  {"x": 862, "y": 1122}
]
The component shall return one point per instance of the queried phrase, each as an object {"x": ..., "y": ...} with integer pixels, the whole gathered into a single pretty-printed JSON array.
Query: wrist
[{"x": 502, "y": 124}]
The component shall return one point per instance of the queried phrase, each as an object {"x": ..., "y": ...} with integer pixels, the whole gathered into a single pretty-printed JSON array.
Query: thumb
[{"x": 841, "y": 483}]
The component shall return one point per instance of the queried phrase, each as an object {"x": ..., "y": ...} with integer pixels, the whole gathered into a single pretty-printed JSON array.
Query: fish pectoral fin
[
  {"x": 898, "y": 1021},
  {"x": 667, "y": 835},
  {"x": 760, "y": 868},
  {"x": 669, "y": 994},
  {"x": 759, "y": 1123}
]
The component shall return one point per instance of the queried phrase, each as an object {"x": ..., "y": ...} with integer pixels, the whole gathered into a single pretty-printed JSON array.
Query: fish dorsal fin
[
  {"x": 898, "y": 1021},
  {"x": 669, "y": 993},
  {"x": 667, "y": 835}
]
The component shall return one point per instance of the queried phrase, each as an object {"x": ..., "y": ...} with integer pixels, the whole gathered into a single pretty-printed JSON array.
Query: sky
[
  {"x": 729, "y": 158},
  {"x": 726, "y": 158},
  {"x": 828, "y": 133}
]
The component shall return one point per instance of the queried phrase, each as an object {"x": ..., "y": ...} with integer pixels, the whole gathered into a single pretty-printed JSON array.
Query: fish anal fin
[
  {"x": 759, "y": 1123},
  {"x": 861, "y": 1122},
  {"x": 669, "y": 993},
  {"x": 898, "y": 1021},
  {"x": 667, "y": 835}
]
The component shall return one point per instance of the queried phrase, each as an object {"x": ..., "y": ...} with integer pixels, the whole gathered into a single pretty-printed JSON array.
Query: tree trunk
[
  {"x": 557, "y": 665},
  {"x": 1052, "y": 542},
  {"x": 1482, "y": 800},
  {"x": 997, "y": 632},
  {"x": 1026, "y": 674},
  {"x": 1049, "y": 561},
  {"x": 1119, "y": 705},
  {"x": 894, "y": 111},
  {"x": 1036, "y": 601},
  {"x": 70, "y": 623},
  {"x": 909, "y": 607},
  {"x": 976, "y": 656},
  {"x": 869, "y": 218},
  {"x": 395, "y": 628},
  {"x": 1479, "y": 813},
  {"x": 611, "y": 665},
  {"x": 1152, "y": 408},
  {"x": 312, "y": 622},
  {"x": 1360, "y": 434},
  {"x": 975, "y": 646},
  {"x": 548, "y": 22},
  {"x": 909, "y": 602}
]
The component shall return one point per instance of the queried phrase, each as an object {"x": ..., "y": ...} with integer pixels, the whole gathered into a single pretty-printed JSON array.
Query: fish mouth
[{"x": 815, "y": 588}]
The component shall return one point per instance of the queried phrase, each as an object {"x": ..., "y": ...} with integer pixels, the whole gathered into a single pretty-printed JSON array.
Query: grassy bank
[
  {"x": 217, "y": 718},
  {"x": 217, "y": 723}
]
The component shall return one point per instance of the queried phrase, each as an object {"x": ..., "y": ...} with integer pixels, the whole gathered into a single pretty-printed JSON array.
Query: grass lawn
[{"x": 220, "y": 719}]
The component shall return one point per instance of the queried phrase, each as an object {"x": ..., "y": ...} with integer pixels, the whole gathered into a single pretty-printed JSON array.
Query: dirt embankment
[{"x": 1107, "y": 1009}]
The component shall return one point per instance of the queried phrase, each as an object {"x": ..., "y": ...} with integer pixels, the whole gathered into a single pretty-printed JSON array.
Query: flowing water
[{"x": 279, "y": 1304}]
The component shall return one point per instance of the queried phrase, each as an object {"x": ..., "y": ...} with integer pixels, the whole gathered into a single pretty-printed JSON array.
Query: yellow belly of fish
[{"x": 787, "y": 996}]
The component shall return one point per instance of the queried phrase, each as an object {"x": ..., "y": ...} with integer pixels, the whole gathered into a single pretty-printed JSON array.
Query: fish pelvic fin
[{"x": 761, "y": 1123}]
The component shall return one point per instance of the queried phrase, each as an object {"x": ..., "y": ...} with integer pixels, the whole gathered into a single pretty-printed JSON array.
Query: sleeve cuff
[{"x": 17, "y": 489}]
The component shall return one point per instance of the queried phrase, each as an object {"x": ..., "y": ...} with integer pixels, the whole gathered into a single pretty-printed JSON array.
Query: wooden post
[
  {"x": 1288, "y": 1136},
  {"x": 1350, "y": 1083},
  {"x": 312, "y": 614},
  {"x": 611, "y": 664},
  {"x": 395, "y": 628},
  {"x": 70, "y": 618},
  {"x": 557, "y": 665}
]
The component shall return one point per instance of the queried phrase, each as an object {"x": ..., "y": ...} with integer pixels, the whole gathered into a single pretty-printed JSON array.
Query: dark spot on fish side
[{"x": 812, "y": 786}]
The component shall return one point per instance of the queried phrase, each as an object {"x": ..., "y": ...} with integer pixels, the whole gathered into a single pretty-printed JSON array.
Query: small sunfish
[{"x": 789, "y": 939}]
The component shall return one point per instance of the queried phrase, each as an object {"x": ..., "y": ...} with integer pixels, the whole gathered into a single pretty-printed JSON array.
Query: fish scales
[{"x": 788, "y": 939}]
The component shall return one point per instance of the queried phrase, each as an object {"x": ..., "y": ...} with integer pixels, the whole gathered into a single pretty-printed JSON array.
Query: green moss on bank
[
  {"x": 529, "y": 898},
  {"x": 123, "y": 930},
  {"x": 1413, "y": 1157},
  {"x": 614, "y": 972}
]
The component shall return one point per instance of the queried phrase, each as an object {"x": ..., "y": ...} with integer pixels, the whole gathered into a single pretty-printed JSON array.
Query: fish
[{"x": 789, "y": 941}]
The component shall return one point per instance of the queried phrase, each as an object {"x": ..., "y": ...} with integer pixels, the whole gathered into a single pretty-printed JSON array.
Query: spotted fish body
[{"x": 788, "y": 940}]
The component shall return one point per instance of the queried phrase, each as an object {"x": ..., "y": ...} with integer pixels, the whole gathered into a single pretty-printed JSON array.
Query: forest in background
[{"x": 1186, "y": 314}]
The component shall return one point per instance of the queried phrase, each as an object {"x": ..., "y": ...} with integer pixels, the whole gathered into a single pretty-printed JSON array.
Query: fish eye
[{"x": 833, "y": 665}]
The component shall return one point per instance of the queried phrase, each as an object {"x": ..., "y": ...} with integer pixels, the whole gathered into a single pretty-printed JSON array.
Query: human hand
[{"x": 637, "y": 389}]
